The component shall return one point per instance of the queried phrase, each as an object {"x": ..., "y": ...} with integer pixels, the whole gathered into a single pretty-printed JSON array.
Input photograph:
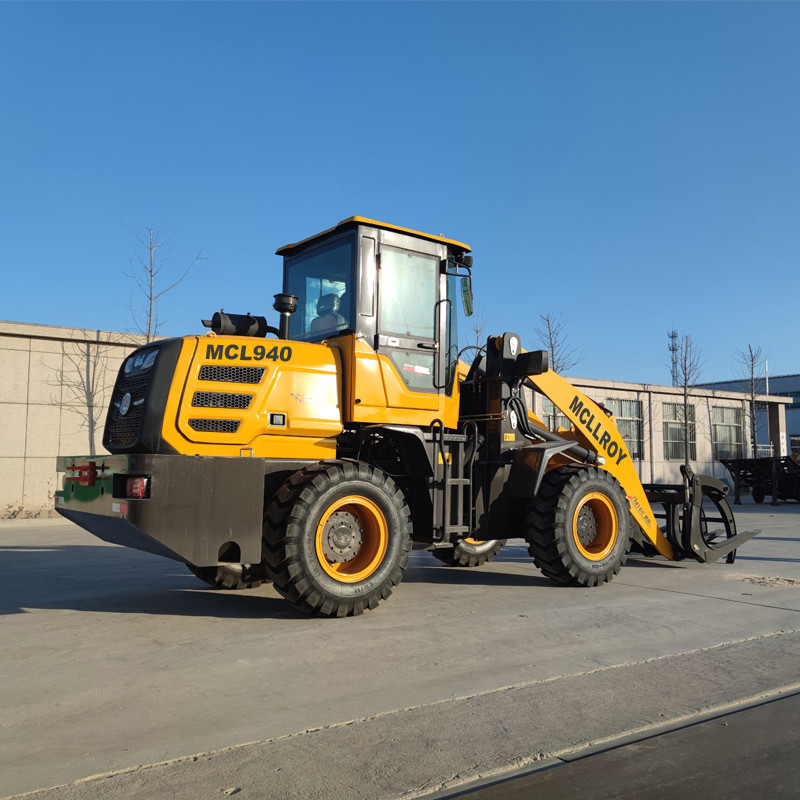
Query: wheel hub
[
  {"x": 586, "y": 526},
  {"x": 342, "y": 537}
]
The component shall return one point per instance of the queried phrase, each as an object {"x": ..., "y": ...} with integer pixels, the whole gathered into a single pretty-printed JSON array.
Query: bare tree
[
  {"x": 750, "y": 361},
  {"x": 475, "y": 335},
  {"x": 690, "y": 367},
  {"x": 84, "y": 383},
  {"x": 552, "y": 335},
  {"x": 145, "y": 275}
]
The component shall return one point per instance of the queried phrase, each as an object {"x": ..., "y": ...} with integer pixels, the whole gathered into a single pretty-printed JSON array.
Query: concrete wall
[{"x": 49, "y": 377}]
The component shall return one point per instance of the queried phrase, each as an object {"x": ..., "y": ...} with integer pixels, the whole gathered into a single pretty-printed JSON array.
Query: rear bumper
[{"x": 199, "y": 510}]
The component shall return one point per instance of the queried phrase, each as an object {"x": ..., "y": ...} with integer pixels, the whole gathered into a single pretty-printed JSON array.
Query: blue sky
[{"x": 633, "y": 167}]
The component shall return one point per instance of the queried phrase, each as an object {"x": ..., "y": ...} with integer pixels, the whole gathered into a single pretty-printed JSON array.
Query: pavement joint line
[
  {"x": 497, "y": 690},
  {"x": 495, "y": 777},
  {"x": 684, "y": 721},
  {"x": 530, "y": 766}
]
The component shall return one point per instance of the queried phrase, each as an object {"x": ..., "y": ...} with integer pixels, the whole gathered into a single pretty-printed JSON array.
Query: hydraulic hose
[{"x": 517, "y": 404}]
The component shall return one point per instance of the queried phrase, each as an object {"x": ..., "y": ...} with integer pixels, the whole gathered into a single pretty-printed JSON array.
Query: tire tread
[
  {"x": 283, "y": 528},
  {"x": 545, "y": 526}
]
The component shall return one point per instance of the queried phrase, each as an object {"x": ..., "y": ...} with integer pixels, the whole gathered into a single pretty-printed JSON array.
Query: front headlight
[{"x": 141, "y": 362}]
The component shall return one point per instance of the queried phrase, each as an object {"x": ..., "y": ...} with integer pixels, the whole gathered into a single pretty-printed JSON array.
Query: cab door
[{"x": 409, "y": 324}]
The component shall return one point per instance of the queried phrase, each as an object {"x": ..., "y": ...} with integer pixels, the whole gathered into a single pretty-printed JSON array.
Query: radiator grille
[
  {"x": 213, "y": 372},
  {"x": 221, "y": 400},
  {"x": 215, "y": 425},
  {"x": 123, "y": 431}
]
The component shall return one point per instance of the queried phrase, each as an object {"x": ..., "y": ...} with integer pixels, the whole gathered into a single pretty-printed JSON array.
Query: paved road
[
  {"x": 119, "y": 664},
  {"x": 749, "y": 754}
]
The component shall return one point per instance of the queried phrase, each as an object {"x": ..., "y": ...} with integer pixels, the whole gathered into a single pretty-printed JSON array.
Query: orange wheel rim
[
  {"x": 475, "y": 541},
  {"x": 595, "y": 526},
  {"x": 351, "y": 539}
]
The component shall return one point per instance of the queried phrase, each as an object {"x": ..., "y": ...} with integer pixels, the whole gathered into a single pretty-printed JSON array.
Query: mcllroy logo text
[{"x": 586, "y": 418}]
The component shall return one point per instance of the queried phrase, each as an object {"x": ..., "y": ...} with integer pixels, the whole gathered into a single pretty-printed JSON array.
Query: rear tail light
[{"x": 137, "y": 488}]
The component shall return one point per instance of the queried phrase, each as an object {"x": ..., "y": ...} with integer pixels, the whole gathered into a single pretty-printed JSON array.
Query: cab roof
[{"x": 458, "y": 248}]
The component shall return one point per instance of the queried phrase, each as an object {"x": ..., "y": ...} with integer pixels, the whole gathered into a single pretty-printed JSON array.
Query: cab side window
[
  {"x": 408, "y": 294},
  {"x": 407, "y": 314}
]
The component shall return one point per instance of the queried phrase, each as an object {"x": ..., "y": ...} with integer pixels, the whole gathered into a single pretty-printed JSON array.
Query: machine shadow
[
  {"x": 765, "y": 558},
  {"x": 118, "y": 580},
  {"x": 441, "y": 574},
  {"x": 761, "y": 538},
  {"x": 423, "y": 567}
]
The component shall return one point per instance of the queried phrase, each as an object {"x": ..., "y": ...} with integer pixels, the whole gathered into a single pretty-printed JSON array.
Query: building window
[
  {"x": 629, "y": 423},
  {"x": 726, "y": 432},
  {"x": 552, "y": 417},
  {"x": 674, "y": 449}
]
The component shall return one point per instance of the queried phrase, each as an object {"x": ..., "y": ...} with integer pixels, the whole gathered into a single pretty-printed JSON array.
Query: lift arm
[{"x": 592, "y": 422}]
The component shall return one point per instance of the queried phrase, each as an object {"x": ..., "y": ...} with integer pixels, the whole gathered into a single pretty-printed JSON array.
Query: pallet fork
[{"x": 687, "y": 518}]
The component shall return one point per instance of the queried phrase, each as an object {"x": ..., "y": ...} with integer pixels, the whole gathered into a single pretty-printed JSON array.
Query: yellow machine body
[
  {"x": 292, "y": 411},
  {"x": 297, "y": 407},
  {"x": 374, "y": 393}
]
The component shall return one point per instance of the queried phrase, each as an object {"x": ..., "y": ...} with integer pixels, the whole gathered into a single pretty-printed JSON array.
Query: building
[
  {"x": 53, "y": 399},
  {"x": 777, "y": 386},
  {"x": 57, "y": 381}
]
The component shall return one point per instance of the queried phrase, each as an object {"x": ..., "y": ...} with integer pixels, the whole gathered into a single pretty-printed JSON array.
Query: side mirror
[{"x": 466, "y": 295}]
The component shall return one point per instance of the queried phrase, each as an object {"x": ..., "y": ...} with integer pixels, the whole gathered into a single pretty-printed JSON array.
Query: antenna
[{"x": 673, "y": 349}]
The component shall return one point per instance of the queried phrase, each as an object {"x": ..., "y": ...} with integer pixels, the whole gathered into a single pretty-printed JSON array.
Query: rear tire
[
  {"x": 577, "y": 526},
  {"x": 337, "y": 537},
  {"x": 232, "y": 576},
  {"x": 758, "y": 494},
  {"x": 469, "y": 552}
]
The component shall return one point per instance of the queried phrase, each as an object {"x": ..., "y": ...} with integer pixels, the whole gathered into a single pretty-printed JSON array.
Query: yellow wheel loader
[{"x": 318, "y": 453}]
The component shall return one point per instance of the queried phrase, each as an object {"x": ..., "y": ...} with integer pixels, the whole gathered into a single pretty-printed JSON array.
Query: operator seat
[{"x": 328, "y": 316}]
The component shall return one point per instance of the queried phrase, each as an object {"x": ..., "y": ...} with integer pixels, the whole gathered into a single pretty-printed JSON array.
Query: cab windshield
[{"x": 321, "y": 282}]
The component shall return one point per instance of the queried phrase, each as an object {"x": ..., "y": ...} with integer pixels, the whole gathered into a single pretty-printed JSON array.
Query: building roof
[
  {"x": 746, "y": 380},
  {"x": 704, "y": 390}
]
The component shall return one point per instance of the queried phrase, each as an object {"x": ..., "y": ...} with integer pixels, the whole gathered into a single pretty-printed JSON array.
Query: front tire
[
  {"x": 337, "y": 537},
  {"x": 469, "y": 552},
  {"x": 577, "y": 526}
]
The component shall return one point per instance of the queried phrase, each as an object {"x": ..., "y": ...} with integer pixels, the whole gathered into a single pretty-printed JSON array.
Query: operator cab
[{"x": 394, "y": 288}]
